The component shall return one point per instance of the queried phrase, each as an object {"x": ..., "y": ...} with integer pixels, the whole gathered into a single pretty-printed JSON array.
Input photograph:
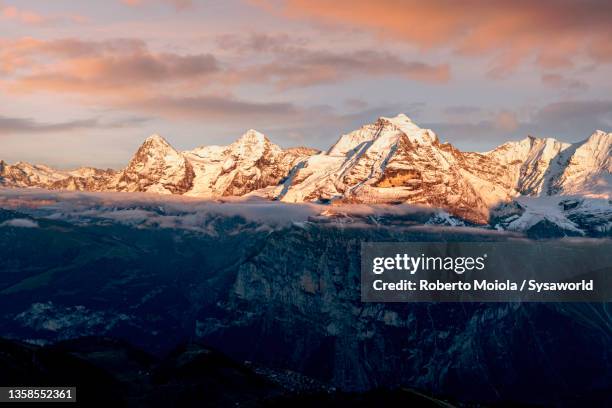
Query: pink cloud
[
  {"x": 12, "y": 13},
  {"x": 125, "y": 74},
  {"x": 70, "y": 65},
  {"x": 27, "y": 17},
  {"x": 127, "y": 66},
  {"x": 557, "y": 33},
  {"x": 307, "y": 68},
  {"x": 177, "y": 4},
  {"x": 555, "y": 80},
  {"x": 288, "y": 62}
]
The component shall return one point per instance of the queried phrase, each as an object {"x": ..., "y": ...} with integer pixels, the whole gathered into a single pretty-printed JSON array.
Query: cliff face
[
  {"x": 300, "y": 296},
  {"x": 290, "y": 299},
  {"x": 156, "y": 167}
]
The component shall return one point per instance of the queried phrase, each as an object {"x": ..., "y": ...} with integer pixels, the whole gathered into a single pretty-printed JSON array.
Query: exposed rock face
[
  {"x": 27, "y": 175},
  {"x": 390, "y": 161},
  {"x": 251, "y": 163},
  {"x": 86, "y": 179},
  {"x": 157, "y": 168},
  {"x": 395, "y": 161}
]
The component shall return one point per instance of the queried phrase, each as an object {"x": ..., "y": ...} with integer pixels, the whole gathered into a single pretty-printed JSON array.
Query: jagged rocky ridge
[{"x": 390, "y": 161}]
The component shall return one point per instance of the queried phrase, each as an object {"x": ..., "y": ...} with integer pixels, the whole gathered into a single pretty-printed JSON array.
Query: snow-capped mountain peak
[
  {"x": 252, "y": 136},
  {"x": 156, "y": 167},
  {"x": 251, "y": 145},
  {"x": 415, "y": 133},
  {"x": 400, "y": 118},
  {"x": 385, "y": 131},
  {"x": 600, "y": 133},
  {"x": 156, "y": 138},
  {"x": 155, "y": 148},
  {"x": 157, "y": 143},
  {"x": 586, "y": 168},
  {"x": 600, "y": 141},
  {"x": 351, "y": 142},
  {"x": 250, "y": 163}
]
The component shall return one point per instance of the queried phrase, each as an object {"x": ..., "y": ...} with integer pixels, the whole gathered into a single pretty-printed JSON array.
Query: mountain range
[
  {"x": 277, "y": 287},
  {"x": 390, "y": 161}
]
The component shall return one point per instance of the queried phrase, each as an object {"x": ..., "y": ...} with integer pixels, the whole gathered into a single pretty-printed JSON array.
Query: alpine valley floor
[{"x": 274, "y": 287}]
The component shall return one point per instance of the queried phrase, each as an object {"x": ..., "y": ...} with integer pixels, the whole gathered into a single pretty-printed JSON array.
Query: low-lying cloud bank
[
  {"x": 37, "y": 208},
  {"x": 179, "y": 212},
  {"x": 149, "y": 209},
  {"x": 19, "y": 223}
]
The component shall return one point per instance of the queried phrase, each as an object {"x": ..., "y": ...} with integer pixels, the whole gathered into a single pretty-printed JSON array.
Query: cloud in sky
[
  {"x": 302, "y": 71},
  {"x": 555, "y": 32},
  {"x": 575, "y": 116},
  {"x": 143, "y": 210},
  {"x": 15, "y": 14},
  {"x": 19, "y": 125},
  {"x": 568, "y": 120},
  {"x": 10, "y": 125},
  {"x": 292, "y": 62},
  {"x": 179, "y": 5},
  {"x": 28, "y": 17},
  {"x": 560, "y": 81},
  {"x": 461, "y": 110},
  {"x": 71, "y": 65},
  {"x": 220, "y": 107},
  {"x": 302, "y": 68},
  {"x": 126, "y": 74}
]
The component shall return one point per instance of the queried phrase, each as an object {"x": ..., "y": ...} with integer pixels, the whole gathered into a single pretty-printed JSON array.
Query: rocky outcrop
[
  {"x": 249, "y": 164},
  {"x": 157, "y": 168},
  {"x": 395, "y": 161}
]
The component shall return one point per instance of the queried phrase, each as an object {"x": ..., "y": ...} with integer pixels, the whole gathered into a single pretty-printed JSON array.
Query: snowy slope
[
  {"x": 587, "y": 171},
  {"x": 250, "y": 163},
  {"x": 393, "y": 161},
  {"x": 390, "y": 161},
  {"x": 557, "y": 215},
  {"x": 23, "y": 174},
  {"x": 542, "y": 167},
  {"x": 27, "y": 175}
]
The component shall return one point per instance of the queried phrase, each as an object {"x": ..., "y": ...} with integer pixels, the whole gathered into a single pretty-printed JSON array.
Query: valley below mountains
[{"x": 282, "y": 298}]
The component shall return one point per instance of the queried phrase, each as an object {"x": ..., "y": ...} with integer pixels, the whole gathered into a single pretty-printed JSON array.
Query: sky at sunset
[{"x": 84, "y": 82}]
